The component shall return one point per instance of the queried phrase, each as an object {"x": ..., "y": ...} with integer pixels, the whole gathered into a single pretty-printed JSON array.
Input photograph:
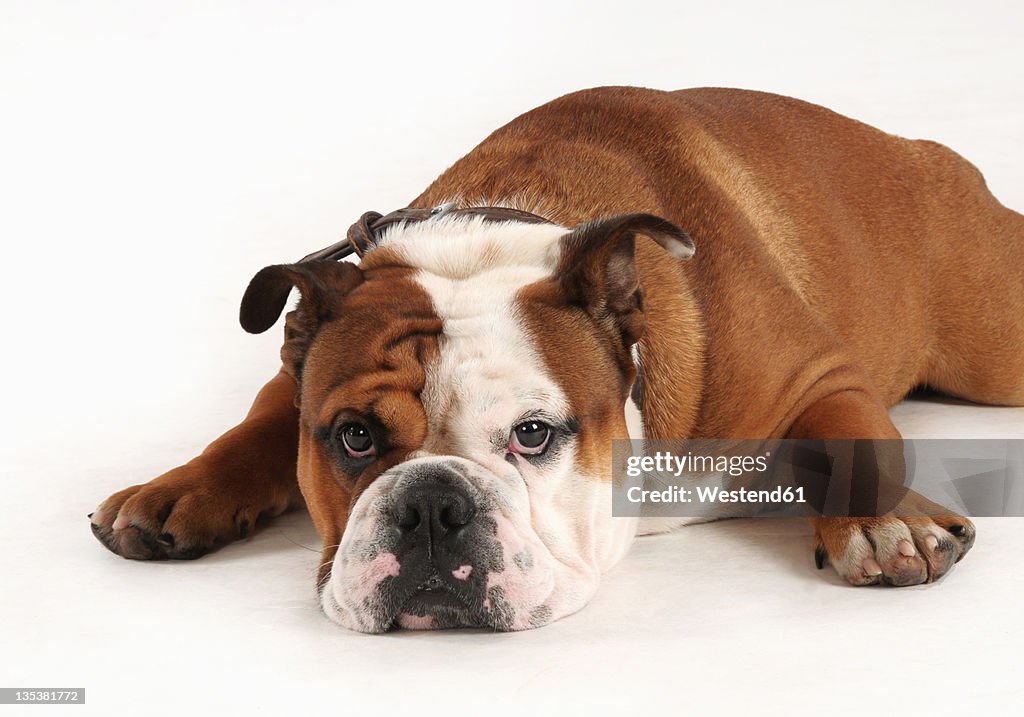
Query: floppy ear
[
  {"x": 320, "y": 283},
  {"x": 598, "y": 272}
]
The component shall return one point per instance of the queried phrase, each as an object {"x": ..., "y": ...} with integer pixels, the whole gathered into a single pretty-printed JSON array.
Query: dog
[{"x": 748, "y": 265}]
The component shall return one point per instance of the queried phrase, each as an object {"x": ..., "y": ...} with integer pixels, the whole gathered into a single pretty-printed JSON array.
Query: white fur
[
  {"x": 882, "y": 544},
  {"x": 459, "y": 247},
  {"x": 850, "y": 565}
]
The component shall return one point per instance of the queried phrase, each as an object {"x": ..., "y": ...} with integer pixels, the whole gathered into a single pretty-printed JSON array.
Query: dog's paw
[
  {"x": 181, "y": 515},
  {"x": 894, "y": 551}
]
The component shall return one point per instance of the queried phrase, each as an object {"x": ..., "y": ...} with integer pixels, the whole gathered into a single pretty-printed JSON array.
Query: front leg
[
  {"x": 914, "y": 542},
  {"x": 246, "y": 475}
]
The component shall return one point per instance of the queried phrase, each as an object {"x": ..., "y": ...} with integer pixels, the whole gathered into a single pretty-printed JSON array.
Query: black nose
[{"x": 437, "y": 509}]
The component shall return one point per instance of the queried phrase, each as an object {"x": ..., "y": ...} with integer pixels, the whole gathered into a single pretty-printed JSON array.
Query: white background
[{"x": 153, "y": 156}]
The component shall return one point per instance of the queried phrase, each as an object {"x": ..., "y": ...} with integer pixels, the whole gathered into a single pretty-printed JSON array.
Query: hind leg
[
  {"x": 978, "y": 303},
  {"x": 983, "y": 363}
]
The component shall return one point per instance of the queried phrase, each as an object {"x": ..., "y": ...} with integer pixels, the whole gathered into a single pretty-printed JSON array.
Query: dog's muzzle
[{"x": 439, "y": 542}]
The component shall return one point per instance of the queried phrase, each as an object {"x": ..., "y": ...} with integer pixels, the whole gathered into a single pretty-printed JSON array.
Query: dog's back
[{"x": 816, "y": 234}]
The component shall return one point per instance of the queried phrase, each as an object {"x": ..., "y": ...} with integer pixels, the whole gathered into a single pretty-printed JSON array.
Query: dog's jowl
[{"x": 745, "y": 265}]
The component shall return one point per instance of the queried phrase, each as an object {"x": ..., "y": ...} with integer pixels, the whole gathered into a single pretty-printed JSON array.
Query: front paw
[
  {"x": 895, "y": 551},
  {"x": 181, "y": 515}
]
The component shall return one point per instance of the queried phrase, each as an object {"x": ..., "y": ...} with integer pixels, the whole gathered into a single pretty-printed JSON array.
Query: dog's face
[{"x": 459, "y": 392}]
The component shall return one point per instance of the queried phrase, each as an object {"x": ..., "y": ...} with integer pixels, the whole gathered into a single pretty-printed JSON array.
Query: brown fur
[
  {"x": 837, "y": 268},
  {"x": 795, "y": 211},
  {"x": 380, "y": 375}
]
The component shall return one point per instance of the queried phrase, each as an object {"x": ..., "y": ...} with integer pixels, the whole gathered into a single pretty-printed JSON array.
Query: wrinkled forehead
[
  {"x": 369, "y": 361},
  {"x": 437, "y": 315}
]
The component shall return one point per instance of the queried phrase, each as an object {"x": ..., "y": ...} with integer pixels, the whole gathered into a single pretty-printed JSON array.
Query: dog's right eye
[{"x": 357, "y": 441}]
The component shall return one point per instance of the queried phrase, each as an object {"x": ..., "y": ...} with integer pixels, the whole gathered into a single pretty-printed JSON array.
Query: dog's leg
[
  {"x": 977, "y": 304},
  {"x": 246, "y": 475},
  {"x": 916, "y": 541}
]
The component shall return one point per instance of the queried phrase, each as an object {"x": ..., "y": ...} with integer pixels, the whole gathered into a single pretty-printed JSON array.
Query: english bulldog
[{"x": 746, "y": 265}]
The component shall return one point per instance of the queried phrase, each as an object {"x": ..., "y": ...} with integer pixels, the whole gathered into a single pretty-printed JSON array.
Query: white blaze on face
[{"x": 489, "y": 373}]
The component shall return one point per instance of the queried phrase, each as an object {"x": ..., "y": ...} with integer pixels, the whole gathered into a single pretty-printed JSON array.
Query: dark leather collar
[{"x": 365, "y": 233}]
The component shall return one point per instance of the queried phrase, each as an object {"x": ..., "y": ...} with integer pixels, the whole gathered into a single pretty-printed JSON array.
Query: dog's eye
[
  {"x": 530, "y": 438},
  {"x": 356, "y": 439}
]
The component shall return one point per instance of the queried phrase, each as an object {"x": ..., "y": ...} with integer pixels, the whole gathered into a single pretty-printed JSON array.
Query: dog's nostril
[
  {"x": 407, "y": 517},
  {"x": 456, "y": 515}
]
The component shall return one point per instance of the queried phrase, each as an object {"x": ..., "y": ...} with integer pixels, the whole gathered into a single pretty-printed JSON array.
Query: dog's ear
[
  {"x": 321, "y": 284},
  {"x": 597, "y": 268}
]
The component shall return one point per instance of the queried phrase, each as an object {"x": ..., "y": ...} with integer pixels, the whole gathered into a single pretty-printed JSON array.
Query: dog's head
[{"x": 458, "y": 394}]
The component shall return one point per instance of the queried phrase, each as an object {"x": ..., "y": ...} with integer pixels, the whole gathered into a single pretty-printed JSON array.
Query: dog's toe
[
  {"x": 892, "y": 551},
  {"x": 112, "y": 526},
  {"x": 173, "y": 520}
]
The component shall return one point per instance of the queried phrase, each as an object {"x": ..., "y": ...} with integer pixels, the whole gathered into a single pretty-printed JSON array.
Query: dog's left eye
[
  {"x": 357, "y": 440},
  {"x": 530, "y": 438}
]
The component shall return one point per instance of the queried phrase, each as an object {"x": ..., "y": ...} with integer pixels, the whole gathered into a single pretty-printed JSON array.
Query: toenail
[
  {"x": 957, "y": 529},
  {"x": 906, "y": 548},
  {"x": 932, "y": 542},
  {"x": 166, "y": 539},
  {"x": 871, "y": 567}
]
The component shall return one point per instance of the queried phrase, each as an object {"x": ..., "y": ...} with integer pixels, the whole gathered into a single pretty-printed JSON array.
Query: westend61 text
[{"x": 714, "y": 494}]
